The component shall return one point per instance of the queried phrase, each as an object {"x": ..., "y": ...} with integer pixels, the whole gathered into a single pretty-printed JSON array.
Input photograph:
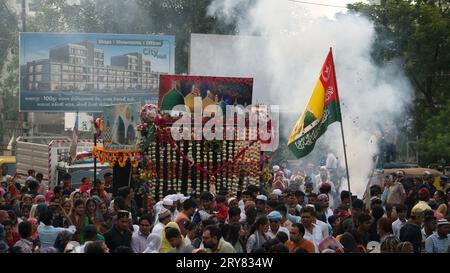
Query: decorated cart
[{"x": 180, "y": 158}]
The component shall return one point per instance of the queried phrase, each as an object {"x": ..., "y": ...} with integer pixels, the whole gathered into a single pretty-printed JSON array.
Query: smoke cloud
[{"x": 287, "y": 62}]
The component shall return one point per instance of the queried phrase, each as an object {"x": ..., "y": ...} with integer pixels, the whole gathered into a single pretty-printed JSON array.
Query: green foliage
[{"x": 435, "y": 142}]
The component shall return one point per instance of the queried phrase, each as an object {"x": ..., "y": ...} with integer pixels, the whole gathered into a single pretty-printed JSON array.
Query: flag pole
[{"x": 343, "y": 138}]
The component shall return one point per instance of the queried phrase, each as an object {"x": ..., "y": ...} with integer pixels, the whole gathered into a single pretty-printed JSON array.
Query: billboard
[
  {"x": 120, "y": 122},
  {"x": 176, "y": 90},
  {"x": 82, "y": 72}
]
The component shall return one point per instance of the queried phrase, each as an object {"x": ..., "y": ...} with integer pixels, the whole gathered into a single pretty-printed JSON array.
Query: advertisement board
[{"x": 70, "y": 72}]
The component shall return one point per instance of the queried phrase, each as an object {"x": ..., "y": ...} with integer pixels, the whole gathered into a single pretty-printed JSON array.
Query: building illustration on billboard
[{"x": 95, "y": 68}]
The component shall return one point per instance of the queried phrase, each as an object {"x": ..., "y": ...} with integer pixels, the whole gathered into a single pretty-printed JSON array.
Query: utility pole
[{"x": 28, "y": 118}]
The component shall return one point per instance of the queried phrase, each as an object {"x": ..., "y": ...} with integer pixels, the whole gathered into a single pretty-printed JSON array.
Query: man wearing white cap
[
  {"x": 260, "y": 205},
  {"x": 439, "y": 241},
  {"x": 164, "y": 217},
  {"x": 173, "y": 208}
]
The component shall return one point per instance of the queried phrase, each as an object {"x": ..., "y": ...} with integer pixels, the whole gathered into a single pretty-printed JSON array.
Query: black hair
[
  {"x": 312, "y": 194},
  {"x": 364, "y": 218},
  {"x": 258, "y": 250},
  {"x": 259, "y": 222},
  {"x": 208, "y": 222},
  {"x": 39, "y": 175},
  {"x": 220, "y": 199},
  {"x": 299, "y": 193},
  {"x": 358, "y": 204},
  {"x": 269, "y": 243},
  {"x": 90, "y": 233},
  {"x": 234, "y": 211},
  {"x": 12, "y": 215},
  {"x": 66, "y": 176},
  {"x": 62, "y": 240},
  {"x": 279, "y": 248},
  {"x": 94, "y": 247},
  {"x": 300, "y": 226},
  {"x": 189, "y": 203},
  {"x": 124, "y": 249},
  {"x": 429, "y": 218},
  {"x": 282, "y": 209},
  {"x": 231, "y": 231},
  {"x": 78, "y": 202},
  {"x": 375, "y": 190},
  {"x": 246, "y": 192},
  {"x": 401, "y": 208},
  {"x": 301, "y": 250},
  {"x": 282, "y": 237},
  {"x": 332, "y": 219},
  {"x": 251, "y": 214},
  {"x": 57, "y": 189},
  {"x": 345, "y": 194},
  {"x": 84, "y": 179},
  {"x": 31, "y": 171},
  {"x": 206, "y": 196},
  {"x": 252, "y": 189},
  {"x": 107, "y": 175},
  {"x": 120, "y": 203},
  {"x": 16, "y": 249},
  {"x": 188, "y": 225},
  {"x": 46, "y": 217},
  {"x": 377, "y": 212},
  {"x": 172, "y": 233},
  {"x": 272, "y": 204},
  {"x": 376, "y": 202},
  {"x": 25, "y": 229},
  {"x": 146, "y": 217},
  {"x": 308, "y": 209},
  {"x": 214, "y": 231},
  {"x": 124, "y": 191}
]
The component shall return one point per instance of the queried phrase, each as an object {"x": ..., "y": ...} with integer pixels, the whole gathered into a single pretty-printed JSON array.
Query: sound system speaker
[{"x": 121, "y": 176}]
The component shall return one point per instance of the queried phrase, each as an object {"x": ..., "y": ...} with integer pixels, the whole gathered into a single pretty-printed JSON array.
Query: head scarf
[
  {"x": 39, "y": 197},
  {"x": 33, "y": 211},
  {"x": 154, "y": 243},
  {"x": 165, "y": 245}
]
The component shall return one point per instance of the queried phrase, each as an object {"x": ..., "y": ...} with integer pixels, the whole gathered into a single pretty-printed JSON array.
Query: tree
[
  {"x": 181, "y": 18},
  {"x": 418, "y": 33},
  {"x": 435, "y": 142}
]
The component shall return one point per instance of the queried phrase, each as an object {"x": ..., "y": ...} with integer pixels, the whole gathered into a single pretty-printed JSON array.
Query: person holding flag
[{"x": 322, "y": 110}]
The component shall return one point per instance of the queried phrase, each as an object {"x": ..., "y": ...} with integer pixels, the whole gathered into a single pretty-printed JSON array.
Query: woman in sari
[{"x": 79, "y": 218}]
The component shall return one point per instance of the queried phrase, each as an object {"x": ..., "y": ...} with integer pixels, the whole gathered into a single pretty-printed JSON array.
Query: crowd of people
[{"x": 297, "y": 212}]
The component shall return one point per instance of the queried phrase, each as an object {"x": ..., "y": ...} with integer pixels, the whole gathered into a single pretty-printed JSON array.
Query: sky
[{"x": 320, "y": 11}]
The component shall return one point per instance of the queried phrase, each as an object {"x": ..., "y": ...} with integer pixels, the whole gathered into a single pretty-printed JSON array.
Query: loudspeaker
[{"x": 121, "y": 177}]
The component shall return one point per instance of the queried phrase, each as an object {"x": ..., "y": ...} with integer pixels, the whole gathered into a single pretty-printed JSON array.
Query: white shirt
[
  {"x": 396, "y": 226},
  {"x": 323, "y": 228},
  {"x": 272, "y": 235},
  {"x": 81, "y": 248},
  {"x": 316, "y": 237},
  {"x": 158, "y": 229},
  {"x": 174, "y": 215},
  {"x": 328, "y": 213}
]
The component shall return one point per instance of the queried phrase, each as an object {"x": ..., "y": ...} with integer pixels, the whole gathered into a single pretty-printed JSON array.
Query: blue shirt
[
  {"x": 48, "y": 234},
  {"x": 434, "y": 244}
]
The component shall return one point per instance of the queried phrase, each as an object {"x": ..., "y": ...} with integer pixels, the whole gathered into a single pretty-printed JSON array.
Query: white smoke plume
[{"x": 287, "y": 65}]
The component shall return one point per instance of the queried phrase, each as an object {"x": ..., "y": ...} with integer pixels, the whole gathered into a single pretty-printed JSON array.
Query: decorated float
[{"x": 171, "y": 149}]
